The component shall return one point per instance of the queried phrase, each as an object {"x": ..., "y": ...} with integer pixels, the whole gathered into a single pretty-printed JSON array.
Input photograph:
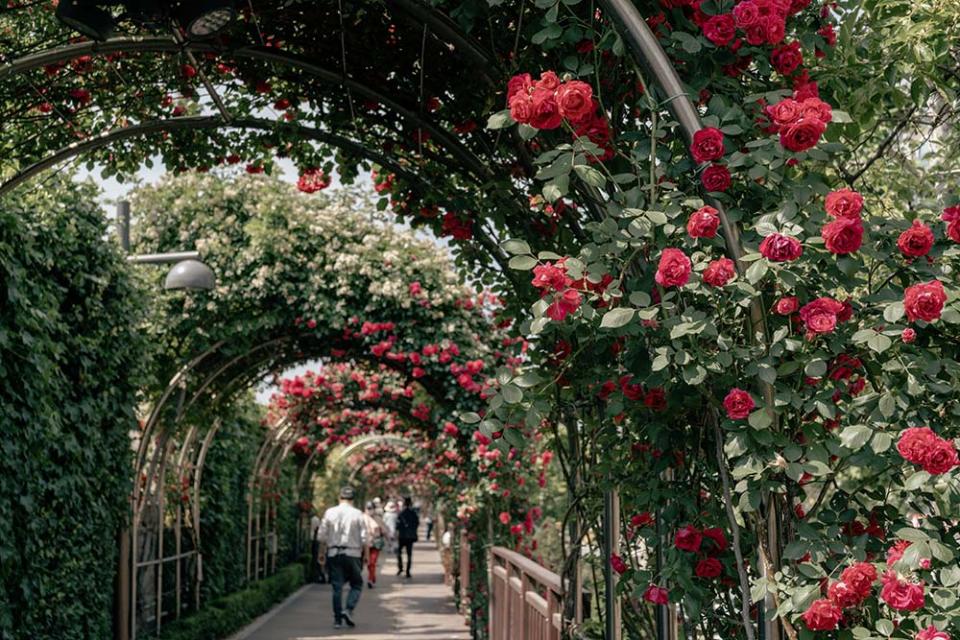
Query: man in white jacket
[{"x": 344, "y": 531}]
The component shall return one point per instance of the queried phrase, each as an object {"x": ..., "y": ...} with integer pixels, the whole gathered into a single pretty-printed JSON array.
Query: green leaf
[
  {"x": 879, "y": 342},
  {"x": 516, "y": 247},
  {"x": 855, "y": 436},
  {"x": 511, "y": 394},
  {"x": 760, "y": 419},
  {"x": 911, "y": 534},
  {"x": 893, "y": 312},
  {"x": 617, "y": 317},
  {"x": 590, "y": 175},
  {"x": 469, "y": 417},
  {"x": 500, "y": 120},
  {"x": 527, "y": 379},
  {"x": 887, "y": 405},
  {"x": 816, "y": 368},
  {"x": 767, "y": 373},
  {"x": 884, "y": 627},
  {"x": 522, "y": 263},
  {"x": 756, "y": 271}
]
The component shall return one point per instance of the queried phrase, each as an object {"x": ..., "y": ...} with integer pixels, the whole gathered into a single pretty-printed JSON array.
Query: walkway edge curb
[{"x": 263, "y": 619}]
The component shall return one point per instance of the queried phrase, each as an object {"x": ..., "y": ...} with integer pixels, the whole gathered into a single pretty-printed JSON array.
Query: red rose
[
  {"x": 924, "y": 301},
  {"x": 786, "y": 58},
  {"x": 942, "y": 458},
  {"x": 715, "y": 178},
  {"x": 860, "y": 578},
  {"x": 780, "y": 248},
  {"x": 738, "y": 404},
  {"x": 618, "y": 564},
  {"x": 719, "y": 272},
  {"x": 908, "y": 336},
  {"x": 932, "y": 633},
  {"x": 720, "y": 29},
  {"x": 843, "y": 203},
  {"x": 786, "y": 306},
  {"x": 504, "y": 517},
  {"x": 575, "y": 100},
  {"x": 843, "y": 235},
  {"x": 656, "y": 595},
  {"x": 900, "y": 594},
  {"x": 545, "y": 114},
  {"x": 703, "y": 223},
  {"x": 708, "y": 568},
  {"x": 550, "y": 277},
  {"x": 774, "y": 27},
  {"x": 521, "y": 108},
  {"x": 914, "y": 443},
  {"x": 822, "y": 615},
  {"x": 688, "y": 539},
  {"x": 549, "y": 81},
  {"x": 716, "y": 535},
  {"x": 746, "y": 14},
  {"x": 820, "y": 316},
  {"x": 895, "y": 553},
  {"x": 564, "y": 304},
  {"x": 519, "y": 84},
  {"x": 785, "y": 112},
  {"x": 953, "y": 231},
  {"x": 802, "y": 134},
  {"x": 674, "y": 268},
  {"x": 312, "y": 180},
  {"x": 842, "y": 595},
  {"x": 916, "y": 241},
  {"x": 707, "y": 145},
  {"x": 815, "y": 108}
]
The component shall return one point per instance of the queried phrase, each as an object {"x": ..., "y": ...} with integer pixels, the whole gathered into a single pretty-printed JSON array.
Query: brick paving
[{"x": 420, "y": 608}]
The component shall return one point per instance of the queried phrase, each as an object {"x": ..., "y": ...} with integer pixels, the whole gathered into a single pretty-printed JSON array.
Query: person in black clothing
[{"x": 407, "y": 525}]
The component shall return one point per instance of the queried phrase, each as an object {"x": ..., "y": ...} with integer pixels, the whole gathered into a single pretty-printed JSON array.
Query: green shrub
[{"x": 226, "y": 615}]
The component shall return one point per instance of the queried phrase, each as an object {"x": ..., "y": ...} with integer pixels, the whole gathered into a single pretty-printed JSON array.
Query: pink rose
[
  {"x": 820, "y": 316},
  {"x": 564, "y": 304},
  {"x": 924, "y": 301},
  {"x": 915, "y": 241},
  {"x": 656, "y": 595},
  {"x": 780, "y": 248},
  {"x": 703, "y": 223},
  {"x": 549, "y": 81},
  {"x": 908, "y": 335},
  {"x": 719, "y": 272},
  {"x": 738, "y": 404},
  {"x": 521, "y": 108},
  {"x": 519, "y": 84},
  {"x": 674, "y": 268},
  {"x": 932, "y": 633}
]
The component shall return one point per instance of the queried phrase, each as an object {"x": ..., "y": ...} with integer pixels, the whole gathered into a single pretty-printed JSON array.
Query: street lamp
[{"x": 188, "y": 272}]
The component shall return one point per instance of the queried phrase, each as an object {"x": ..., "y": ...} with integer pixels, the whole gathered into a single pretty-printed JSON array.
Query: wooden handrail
[{"x": 525, "y": 598}]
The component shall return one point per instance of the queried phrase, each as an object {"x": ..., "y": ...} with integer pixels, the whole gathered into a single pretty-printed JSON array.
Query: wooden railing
[{"x": 526, "y": 600}]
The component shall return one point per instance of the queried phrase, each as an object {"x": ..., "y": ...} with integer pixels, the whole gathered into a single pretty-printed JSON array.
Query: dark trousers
[
  {"x": 344, "y": 569},
  {"x": 429, "y": 529},
  {"x": 316, "y": 570},
  {"x": 408, "y": 545}
]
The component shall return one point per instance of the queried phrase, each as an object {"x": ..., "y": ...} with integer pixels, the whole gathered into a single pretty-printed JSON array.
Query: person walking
[
  {"x": 429, "y": 521},
  {"x": 344, "y": 531},
  {"x": 316, "y": 564},
  {"x": 376, "y": 538},
  {"x": 408, "y": 523},
  {"x": 390, "y": 515}
]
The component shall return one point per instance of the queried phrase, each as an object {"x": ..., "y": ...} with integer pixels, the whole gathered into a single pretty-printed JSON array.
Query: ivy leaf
[{"x": 616, "y": 317}]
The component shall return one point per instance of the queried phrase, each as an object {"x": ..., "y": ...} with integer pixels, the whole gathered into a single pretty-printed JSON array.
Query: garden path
[{"x": 421, "y": 608}]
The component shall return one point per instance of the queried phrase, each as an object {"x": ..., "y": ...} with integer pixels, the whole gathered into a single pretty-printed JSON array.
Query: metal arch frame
[
  {"x": 263, "y": 54},
  {"x": 654, "y": 60},
  {"x": 202, "y": 123}
]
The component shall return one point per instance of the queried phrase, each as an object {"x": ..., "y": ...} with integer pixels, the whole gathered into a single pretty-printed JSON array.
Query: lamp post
[{"x": 188, "y": 272}]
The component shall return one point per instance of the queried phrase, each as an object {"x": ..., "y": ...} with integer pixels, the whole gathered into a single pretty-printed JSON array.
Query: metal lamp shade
[
  {"x": 190, "y": 274},
  {"x": 205, "y": 18},
  {"x": 85, "y": 17}
]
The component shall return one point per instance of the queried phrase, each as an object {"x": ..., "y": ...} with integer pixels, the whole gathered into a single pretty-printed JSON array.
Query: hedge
[{"x": 226, "y": 615}]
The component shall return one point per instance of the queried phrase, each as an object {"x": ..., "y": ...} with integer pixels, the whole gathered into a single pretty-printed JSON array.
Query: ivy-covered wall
[{"x": 70, "y": 363}]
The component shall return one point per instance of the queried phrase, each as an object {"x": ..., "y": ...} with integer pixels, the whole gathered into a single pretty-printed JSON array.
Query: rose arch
[{"x": 742, "y": 300}]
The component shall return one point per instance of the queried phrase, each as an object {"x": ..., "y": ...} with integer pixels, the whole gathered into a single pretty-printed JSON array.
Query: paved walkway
[{"x": 420, "y": 608}]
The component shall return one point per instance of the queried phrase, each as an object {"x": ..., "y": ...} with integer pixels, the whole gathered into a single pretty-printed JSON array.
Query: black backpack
[{"x": 407, "y": 524}]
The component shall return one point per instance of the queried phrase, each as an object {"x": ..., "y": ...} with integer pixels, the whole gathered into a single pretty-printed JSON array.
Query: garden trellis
[{"x": 742, "y": 312}]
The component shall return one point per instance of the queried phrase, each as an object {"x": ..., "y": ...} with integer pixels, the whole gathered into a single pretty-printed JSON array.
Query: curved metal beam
[
  {"x": 200, "y": 122},
  {"x": 264, "y": 54}
]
